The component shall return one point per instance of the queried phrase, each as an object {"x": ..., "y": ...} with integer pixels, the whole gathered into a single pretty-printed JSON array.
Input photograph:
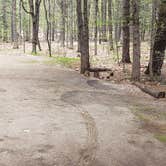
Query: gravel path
[{"x": 52, "y": 116}]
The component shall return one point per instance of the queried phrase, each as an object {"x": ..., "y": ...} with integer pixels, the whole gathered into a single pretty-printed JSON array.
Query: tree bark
[
  {"x": 136, "y": 41},
  {"x": 34, "y": 12},
  {"x": 159, "y": 46},
  {"x": 79, "y": 23},
  {"x": 84, "y": 34},
  {"x": 110, "y": 24},
  {"x": 126, "y": 32},
  {"x": 96, "y": 25},
  {"x": 104, "y": 20},
  {"x": 47, "y": 16},
  {"x": 4, "y": 21},
  {"x": 63, "y": 22},
  {"x": 14, "y": 26}
]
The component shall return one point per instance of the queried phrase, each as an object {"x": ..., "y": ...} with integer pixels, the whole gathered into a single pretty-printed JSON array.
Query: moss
[
  {"x": 142, "y": 117},
  {"x": 153, "y": 120},
  {"x": 161, "y": 138},
  {"x": 149, "y": 111},
  {"x": 65, "y": 61},
  {"x": 35, "y": 54},
  {"x": 31, "y": 61}
]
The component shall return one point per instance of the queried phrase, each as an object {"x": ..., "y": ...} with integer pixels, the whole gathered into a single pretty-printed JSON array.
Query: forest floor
[{"x": 53, "y": 116}]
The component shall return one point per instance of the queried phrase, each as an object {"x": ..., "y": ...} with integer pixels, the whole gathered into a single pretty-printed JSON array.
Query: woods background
[{"x": 95, "y": 28}]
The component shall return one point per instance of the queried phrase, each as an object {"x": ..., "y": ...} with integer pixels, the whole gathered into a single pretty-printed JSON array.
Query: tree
[
  {"x": 79, "y": 23},
  {"x": 63, "y": 22},
  {"x": 117, "y": 20},
  {"x": 82, "y": 17},
  {"x": 126, "y": 32},
  {"x": 96, "y": 24},
  {"x": 159, "y": 46},
  {"x": 110, "y": 24},
  {"x": 4, "y": 20},
  {"x": 70, "y": 23},
  {"x": 104, "y": 20},
  {"x": 34, "y": 12},
  {"x": 48, "y": 17},
  {"x": 14, "y": 26},
  {"x": 136, "y": 40},
  {"x": 53, "y": 22}
]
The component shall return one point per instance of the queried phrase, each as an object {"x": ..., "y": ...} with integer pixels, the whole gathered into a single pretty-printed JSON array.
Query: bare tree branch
[{"x": 29, "y": 12}]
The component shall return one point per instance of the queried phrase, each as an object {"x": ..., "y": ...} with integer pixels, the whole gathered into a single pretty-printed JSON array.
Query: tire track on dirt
[
  {"x": 88, "y": 152},
  {"x": 118, "y": 88}
]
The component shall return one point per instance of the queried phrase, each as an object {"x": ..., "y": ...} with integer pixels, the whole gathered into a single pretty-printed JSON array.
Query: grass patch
[
  {"x": 64, "y": 61},
  {"x": 31, "y": 61},
  {"x": 35, "y": 54},
  {"x": 149, "y": 112},
  {"x": 161, "y": 138},
  {"x": 153, "y": 120}
]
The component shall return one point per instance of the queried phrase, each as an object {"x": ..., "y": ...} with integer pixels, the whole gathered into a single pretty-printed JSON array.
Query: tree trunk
[
  {"x": 20, "y": 22},
  {"x": 85, "y": 40},
  {"x": 110, "y": 24},
  {"x": 117, "y": 24},
  {"x": 63, "y": 22},
  {"x": 159, "y": 45},
  {"x": 126, "y": 32},
  {"x": 71, "y": 24},
  {"x": 104, "y": 20},
  {"x": 4, "y": 21},
  {"x": 79, "y": 23},
  {"x": 34, "y": 12},
  {"x": 34, "y": 35},
  {"x": 153, "y": 30},
  {"x": 84, "y": 34},
  {"x": 14, "y": 26},
  {"x": 47, "y": 16},
  {"x": 136, "y": 41},
  {"x": 53, "y": 22},
  {"x": 96, "y": 25}
]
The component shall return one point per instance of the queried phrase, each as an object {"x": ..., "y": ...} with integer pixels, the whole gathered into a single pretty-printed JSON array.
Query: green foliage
[
  {"x": 5, "y": 20},
  {"x": 64, "y": 61},
  {"x": 31, "y": 61},
  {"x": 35, "y": 54},
  {"x": 151, "y": 120},
  {"x": 161, "y": 138}
]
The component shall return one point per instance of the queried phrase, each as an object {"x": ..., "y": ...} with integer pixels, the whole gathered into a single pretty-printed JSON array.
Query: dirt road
[{"x": 52, "y": 116}]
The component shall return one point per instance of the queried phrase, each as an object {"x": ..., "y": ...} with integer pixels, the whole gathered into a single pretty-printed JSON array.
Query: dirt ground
[{"x": 52, "y": 116}]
